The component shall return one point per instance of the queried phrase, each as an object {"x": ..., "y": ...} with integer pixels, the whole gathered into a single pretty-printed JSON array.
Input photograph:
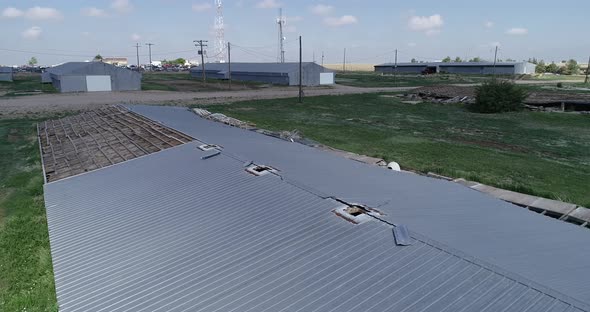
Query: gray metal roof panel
[
  {"x": 283, "y": 68},
  {"x": 539, "y": 248},
  {"x": 172, "y": 232},
  {"x": 4, "y": 69},
  {"x": 448, "y": 64}
]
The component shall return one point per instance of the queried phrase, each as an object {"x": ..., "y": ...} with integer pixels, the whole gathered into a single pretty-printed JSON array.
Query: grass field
[
  {"x": 26, "y": 275},
  {"x": 374, "y": 80},
  {"x": 25, "y": 84},
  {"x": 181, "y": 81},
  {"x": 542, "y": 154}
]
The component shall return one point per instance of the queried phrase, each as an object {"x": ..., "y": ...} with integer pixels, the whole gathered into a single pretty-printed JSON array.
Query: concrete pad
[
  {"x": 553, "y": 205},
  {"x": 581, "y": 213}
]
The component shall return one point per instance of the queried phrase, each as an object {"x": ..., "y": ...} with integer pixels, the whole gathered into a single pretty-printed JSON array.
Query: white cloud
[
  {"x": 411, "y": 44},
  {"x": 268, "y": 4},
  {"x": 39, "y": 13},
  {"x": 321, "y": 9},
  {"x": 32, "y": 33},
  {"x": 122, "y": 6},
  {"x": 12, "y": 13},
  {"x": 340, "y": 21},
  {"x": 135, "y": 37},
  {"x": 85, "y": 33},
  {"x": 490, "y": 45},
  {"x": 517, "y": 31},
  {"x": 201, "y": 7},
  {"x": 291, "y": 29},
  {"x": 94, "y": 12},
  {"x": 488, "y": 24},
  {"x": 430, "y": 25}
]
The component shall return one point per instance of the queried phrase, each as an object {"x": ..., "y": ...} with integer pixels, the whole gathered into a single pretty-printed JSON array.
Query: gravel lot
[{"x": 45, "y": 104}]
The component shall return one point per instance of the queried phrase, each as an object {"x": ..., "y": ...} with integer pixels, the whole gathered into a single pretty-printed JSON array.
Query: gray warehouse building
[
  {"x": 91, "y": 76},
  {"x": 273, "y": 73},
  {"x": 478, "y": 68},
  {"x": 5, "y": 73}
]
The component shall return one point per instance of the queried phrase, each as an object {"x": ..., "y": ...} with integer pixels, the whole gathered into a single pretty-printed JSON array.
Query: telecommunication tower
[
  {"x": 219, "y": 46},
  {"x": 281, "y": 21}
]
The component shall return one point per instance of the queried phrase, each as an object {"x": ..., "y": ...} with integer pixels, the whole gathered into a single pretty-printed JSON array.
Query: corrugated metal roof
[
  {"x": 79, "y": 68},
  {"x": 546, "y": 251},
  {"x": 4, "y": 69},
  {"x": 173, "y": 232},
  {"x": 448, "y": 64},
  {"x": 283, "y": 68}
]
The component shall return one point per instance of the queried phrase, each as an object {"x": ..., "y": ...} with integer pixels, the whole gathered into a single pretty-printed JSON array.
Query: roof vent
[
  {"x": 209, "y": 147},
  {"x": 356, "y": 214},
  {"x": 260, "y": 170}
]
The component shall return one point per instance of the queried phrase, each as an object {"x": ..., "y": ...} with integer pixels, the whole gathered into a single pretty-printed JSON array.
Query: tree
[
  {"x": 498, "y": 96},
  {"x": 541, "y": 67},
  {"x": 552, "y": 68},
  {"x": 33, "y": 61},
  {"x": 414, "y": 61},
  {"x": 98, "y": 58},
  {"x": 178, "y": 61},
  {"x": 458, "y": 59},
  {"x": 510, "y": 60},
  {"x": 447, "y": 59},
  {"x": 571, "y": 68},
  {"x": 475, "y": 59}
]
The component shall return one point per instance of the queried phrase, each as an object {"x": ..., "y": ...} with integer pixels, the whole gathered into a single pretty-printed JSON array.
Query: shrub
[
  {"x": 560, "y": 84},
  {"x": 498, "y": 96}
]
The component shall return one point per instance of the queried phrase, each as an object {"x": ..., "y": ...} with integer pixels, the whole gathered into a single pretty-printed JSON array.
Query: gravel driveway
[{"x": 39, "y": 105}]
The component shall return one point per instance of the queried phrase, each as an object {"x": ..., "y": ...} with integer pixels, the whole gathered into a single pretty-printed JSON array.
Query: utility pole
[
  {"x": 313, "y": 57},
  {"x": 322, "y": 58},
  {"x": 137, "y": 50},
  {"x": 395, "y": 69},
  {"x": 229, "y": 63},
  {"x": 587, "y": 71},
  {"x": 150, "y": 53},
  {"x": 344, "y": 62},
  {"x": 201, "y": 44},
  {"x": 495, "y": 60},
  {"x": 300, "y": 72}
]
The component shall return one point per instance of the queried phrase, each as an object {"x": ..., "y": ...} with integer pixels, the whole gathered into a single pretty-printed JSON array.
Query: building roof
[
  {"x": 4, "y": 69},
  {"x": 255, "y": 67},
  {"x": 447, "y": 64},
  {"x": 79, "y": 68},
  {"x": 187, "y": 229}
]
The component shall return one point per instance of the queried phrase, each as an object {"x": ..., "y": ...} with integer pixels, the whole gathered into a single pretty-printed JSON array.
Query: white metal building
[
  {"x": 481, "y": 68},
  {"x": 91, "y": 76}
]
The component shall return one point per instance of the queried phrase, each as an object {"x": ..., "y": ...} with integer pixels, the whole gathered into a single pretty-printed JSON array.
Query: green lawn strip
[
  {"x": 531, "y": 152},
  {"x": 372, "y": 79},
  {"x": 26, "y": 274},
  {"x": 25, "y": 85}
]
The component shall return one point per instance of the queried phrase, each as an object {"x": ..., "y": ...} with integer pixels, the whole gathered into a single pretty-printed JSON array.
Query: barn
[
  {"x": 5, "y": 73},
  {"x": 272, "y": 73},
  {"x": 477, "y": 68},
  {"x": 91, "y": 76}
]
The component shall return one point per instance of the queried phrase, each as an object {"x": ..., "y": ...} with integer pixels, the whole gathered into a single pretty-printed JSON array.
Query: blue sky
[{"x": 60, "y": 30}]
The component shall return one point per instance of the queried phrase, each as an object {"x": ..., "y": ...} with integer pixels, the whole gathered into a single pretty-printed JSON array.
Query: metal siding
[
  {"x": 122, "y": 79},
  {"x": 326, "y": 78},
  {"x": 458, "y": 217},
  {"x": 71, "y": 83},
  {"x": 171, "y": 232},
  {"x": 6, "y": 77}
]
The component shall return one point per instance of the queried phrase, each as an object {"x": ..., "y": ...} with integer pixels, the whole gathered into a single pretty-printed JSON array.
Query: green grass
[
  {"x": 25, "y": 84},
  {"x": 26, "y": 275},
  {"x": 165, "y": 81},
  {"x": 559, "y": 77},
  {"x": 373, "y": 80},
  {"x": 532, "y": 152}
]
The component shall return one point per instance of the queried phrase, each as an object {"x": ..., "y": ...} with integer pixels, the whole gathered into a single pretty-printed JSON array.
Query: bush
[
  {"x": 498, "y": 96},
  {"x": 560, "y": 84}
]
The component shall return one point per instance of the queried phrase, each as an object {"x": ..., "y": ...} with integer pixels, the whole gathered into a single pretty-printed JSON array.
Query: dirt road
[{"x": 39, "y": 105}]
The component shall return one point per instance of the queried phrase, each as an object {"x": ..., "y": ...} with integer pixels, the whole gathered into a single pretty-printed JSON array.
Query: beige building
[{"x": 117, "y": 61}]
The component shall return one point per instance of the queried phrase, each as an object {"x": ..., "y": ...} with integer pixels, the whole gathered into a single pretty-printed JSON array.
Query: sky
[{"x": 428, "y": 30}]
